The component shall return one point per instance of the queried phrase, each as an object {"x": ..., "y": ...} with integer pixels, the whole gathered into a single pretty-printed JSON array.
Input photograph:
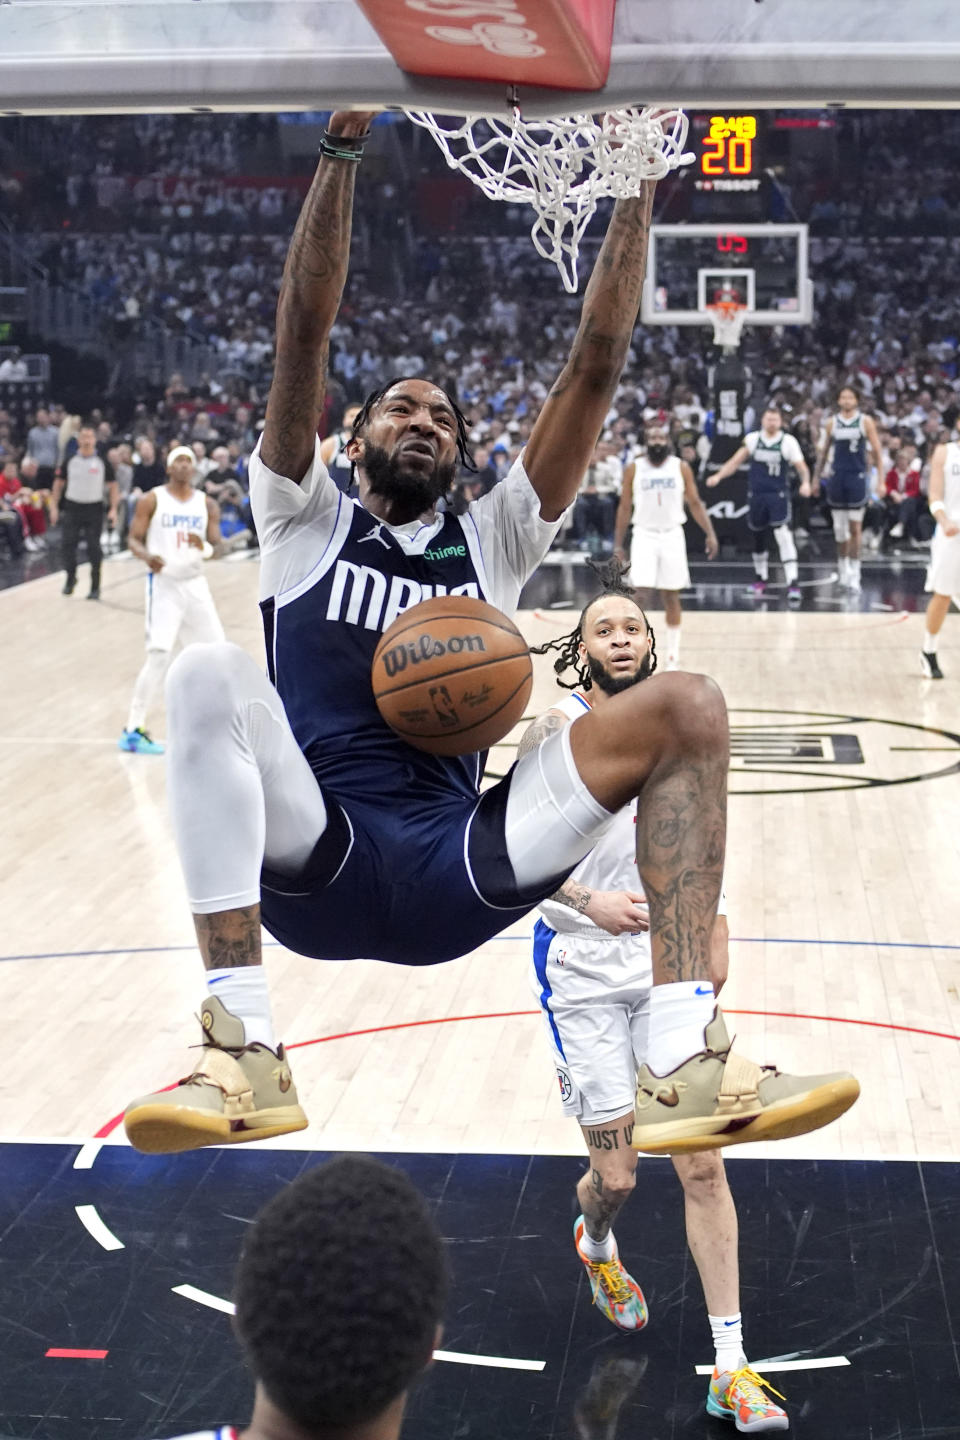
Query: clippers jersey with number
[
  {"x": 168, "y": 534},
  {"x": 951, "y": 481},
  {"x": 412, "y": 867},
  {"x": 658, "y": 494}
]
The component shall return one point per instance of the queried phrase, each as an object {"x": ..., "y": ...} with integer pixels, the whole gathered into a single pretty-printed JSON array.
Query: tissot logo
[{"x": 797, "y": 751}]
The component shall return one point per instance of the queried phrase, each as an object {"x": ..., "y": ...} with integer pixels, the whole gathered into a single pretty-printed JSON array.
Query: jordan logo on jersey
[
  {"x": 361, "y": 591},
  {"x": 375, "y": 534}
]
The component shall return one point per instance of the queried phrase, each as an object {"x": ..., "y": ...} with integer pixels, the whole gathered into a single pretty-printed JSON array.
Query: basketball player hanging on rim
[
  {"x": 658, "y": 489},
  {"x": 293, "y": 801},
  {"x": 849, "y": 432},
  {"x": 770, "y": 451}
]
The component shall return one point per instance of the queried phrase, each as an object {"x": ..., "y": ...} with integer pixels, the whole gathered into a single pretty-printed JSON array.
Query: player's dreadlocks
[
  {"x": 375, "y": 396},
  {"x": 611, "y": 578}
]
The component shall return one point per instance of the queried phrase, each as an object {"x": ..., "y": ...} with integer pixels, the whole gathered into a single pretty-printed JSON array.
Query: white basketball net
[
  {"x": 727, "y": 320},
  {"x": 562, "y": 167}
]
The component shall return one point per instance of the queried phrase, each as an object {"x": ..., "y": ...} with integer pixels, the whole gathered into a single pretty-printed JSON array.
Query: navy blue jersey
[
  {"x": 768, "y": 465},
  {"x": 412, "y": 867},
  {"x": 849, "y": 447},
  {"x": 320, "y": 641}
]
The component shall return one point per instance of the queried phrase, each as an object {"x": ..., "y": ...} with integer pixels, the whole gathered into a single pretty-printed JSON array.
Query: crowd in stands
[{"x": 480, "y": 312}]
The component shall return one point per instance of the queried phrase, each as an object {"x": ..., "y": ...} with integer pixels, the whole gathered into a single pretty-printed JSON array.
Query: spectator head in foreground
[{"x": 340, "y": 1295}]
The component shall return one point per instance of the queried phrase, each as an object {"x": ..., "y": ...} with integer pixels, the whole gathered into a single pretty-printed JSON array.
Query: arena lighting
[{"x": 560, "y": 43}]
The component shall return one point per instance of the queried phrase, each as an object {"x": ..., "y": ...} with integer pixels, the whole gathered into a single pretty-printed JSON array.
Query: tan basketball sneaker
[
  {"x": 716, "y": 1098},
  {"x": 238, "y": 1092}
]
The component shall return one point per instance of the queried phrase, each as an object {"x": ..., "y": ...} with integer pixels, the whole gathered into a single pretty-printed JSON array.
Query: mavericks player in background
[
  {"x": 849, "y": 432},
  {"x": 771, "y": 452},
  {"x": 174, "y": 528},
  {"x": 658, "y": 489},
  {"x": 591, "y": 972},
  {"x": 333, "y": 451},
  {"x": 943, "y": 577},
  {"x": 295, "y": 801},
  {"x": 340, "y": 1293}
]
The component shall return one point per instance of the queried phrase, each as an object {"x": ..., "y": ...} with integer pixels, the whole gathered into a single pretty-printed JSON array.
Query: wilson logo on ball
[{"x": 428, "y": 647}]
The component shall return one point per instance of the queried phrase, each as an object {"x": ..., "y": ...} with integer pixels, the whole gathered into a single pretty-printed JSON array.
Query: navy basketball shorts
[
  {"x": 769, "y": 509},
  {"x": 846, "y": 492},
  {"x": 420, "y": 878}
]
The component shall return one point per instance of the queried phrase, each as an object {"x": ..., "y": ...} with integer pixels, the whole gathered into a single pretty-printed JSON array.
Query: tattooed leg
[
  {"x": 230, "y": 939},
  {"x": 608, "y": 1184}
]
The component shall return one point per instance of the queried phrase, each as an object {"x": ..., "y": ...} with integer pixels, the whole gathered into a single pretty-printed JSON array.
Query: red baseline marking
[
  {"x": 77, "y": 1354},
  {"x": 111, "y": 1125}
]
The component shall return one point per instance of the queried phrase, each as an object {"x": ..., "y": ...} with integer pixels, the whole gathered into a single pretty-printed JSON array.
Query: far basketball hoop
[{"x": 727, "y": 318}]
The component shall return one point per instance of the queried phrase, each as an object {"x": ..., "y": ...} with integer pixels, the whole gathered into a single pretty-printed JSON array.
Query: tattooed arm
[
  {"x": 313, "y": 280},
  {"x": 569, "y": 424},
  {"x": 538, "y": 730}
]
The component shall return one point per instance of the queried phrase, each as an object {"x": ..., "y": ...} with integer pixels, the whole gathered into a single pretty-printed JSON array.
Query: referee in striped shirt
[{"x": 82, "y": 489}]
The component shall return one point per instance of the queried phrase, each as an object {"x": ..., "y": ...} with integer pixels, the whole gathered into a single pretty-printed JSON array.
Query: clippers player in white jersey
[
  {"x": 943, "y": 577},
  {"x": 591, "y": 973},
  {"x": 771, "y": 451},
  {"x": 848, "y": 434},
  {"x": 658, "y": 489},
  {"x": 175, "y": 528},
  {"x": 292, "y": 800}
]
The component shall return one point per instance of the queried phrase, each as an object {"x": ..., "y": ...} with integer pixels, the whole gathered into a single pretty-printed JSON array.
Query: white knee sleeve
[
  {"x": 240, "y": 788},
  {"x": 785, "y": 543},
  {"x": 552, "y": 820},
  {"x": 841, "y": 525}
]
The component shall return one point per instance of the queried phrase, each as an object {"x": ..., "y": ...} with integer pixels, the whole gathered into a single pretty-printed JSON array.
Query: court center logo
[{"x": 790, "y": 752}]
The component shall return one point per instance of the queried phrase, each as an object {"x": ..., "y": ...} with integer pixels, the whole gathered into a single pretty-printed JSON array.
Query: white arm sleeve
[
  {"x": 512, "y": 533},
  {"x": 294, "y": 522},
  {"x": 791, "y": 450}
]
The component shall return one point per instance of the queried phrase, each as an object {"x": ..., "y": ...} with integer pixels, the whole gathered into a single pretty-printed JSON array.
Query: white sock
[
  {"x": 243, "y": 991},
  {"x": 855, "y": 570},
  {"x": 673, "y": 644},
  {"x": 679, "y": 1014},
  {"x": 727, "y": 1340},
  {"x": 761, "y": 565},
  {"x": 598, "y": 1251},
  {"x": 790, "y": 571},
  {"x": 929, "y": 643},
  {"x": 843, "y": 565}
]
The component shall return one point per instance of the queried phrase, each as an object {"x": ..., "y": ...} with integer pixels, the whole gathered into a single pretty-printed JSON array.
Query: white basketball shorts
[
  {"x": 180, "y": 610},
  {"x": 658, "y": 559},
  {"x": 943, "y": 576},
  {"x": 595, "y": 999}
]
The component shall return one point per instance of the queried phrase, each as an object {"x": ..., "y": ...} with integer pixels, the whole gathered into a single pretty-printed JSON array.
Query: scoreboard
[{"x": 728, "y": 172}]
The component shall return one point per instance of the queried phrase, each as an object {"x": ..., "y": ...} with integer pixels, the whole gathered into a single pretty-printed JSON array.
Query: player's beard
[
  {"x": 616, "y": 684},
  {"x": 415, "y": 490}
]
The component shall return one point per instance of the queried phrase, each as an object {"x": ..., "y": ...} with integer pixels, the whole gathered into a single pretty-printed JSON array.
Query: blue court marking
[{"x": 274, "y": 945}]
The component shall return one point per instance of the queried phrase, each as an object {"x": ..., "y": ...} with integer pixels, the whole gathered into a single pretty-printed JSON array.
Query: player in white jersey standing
[
  {"x": 658, "y": 489},
  {"x": 592, "y": 973},
  {"x": 770, "y": 451},
  {"x": 943, "y": 577},
  {"x": 175, "y": 528},
  {"x": 848, "y": 434}
]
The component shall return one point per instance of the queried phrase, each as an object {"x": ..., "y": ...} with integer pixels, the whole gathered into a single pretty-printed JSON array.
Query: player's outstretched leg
[
  {"x": 240, "y": 790},
  {"x": 736, "y": 1392},
  {"x": 667, "y": 740},
  {"x": 601, "y": 1194}
]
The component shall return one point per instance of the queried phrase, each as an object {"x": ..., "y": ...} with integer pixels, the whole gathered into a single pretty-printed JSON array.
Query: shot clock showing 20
[{"x": 728, "y": 173}]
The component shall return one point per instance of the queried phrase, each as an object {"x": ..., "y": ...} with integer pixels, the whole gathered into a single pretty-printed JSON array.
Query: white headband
[{"x": 179, "y": 450}]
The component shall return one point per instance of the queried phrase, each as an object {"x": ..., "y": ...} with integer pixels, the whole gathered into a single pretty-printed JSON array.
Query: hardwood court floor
[{"x": 842, "y": 881}]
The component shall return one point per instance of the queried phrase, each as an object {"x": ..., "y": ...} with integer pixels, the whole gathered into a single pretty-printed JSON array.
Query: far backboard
[{"x": 765, "y": 265}]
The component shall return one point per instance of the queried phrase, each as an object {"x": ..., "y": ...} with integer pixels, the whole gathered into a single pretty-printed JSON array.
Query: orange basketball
[{"x": 452, "y": 675}]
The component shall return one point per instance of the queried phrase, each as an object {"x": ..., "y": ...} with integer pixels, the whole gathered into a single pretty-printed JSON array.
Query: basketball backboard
[
  {"x": 761, "y": 266},
  {"x": 127, "y": 55}
]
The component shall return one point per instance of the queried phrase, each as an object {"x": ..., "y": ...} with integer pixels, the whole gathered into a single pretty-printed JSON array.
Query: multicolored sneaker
[
  {"x": 758, "y": 589},
  {"x": 238, "y": 1092},
  {"x": 615, "y": 1292},
  {"x": 717, "y": 1098},
  {"x": 794, "y": 595},
  {"x": 138, "y": 742},
  {"x": 737, "y": 1395}
]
